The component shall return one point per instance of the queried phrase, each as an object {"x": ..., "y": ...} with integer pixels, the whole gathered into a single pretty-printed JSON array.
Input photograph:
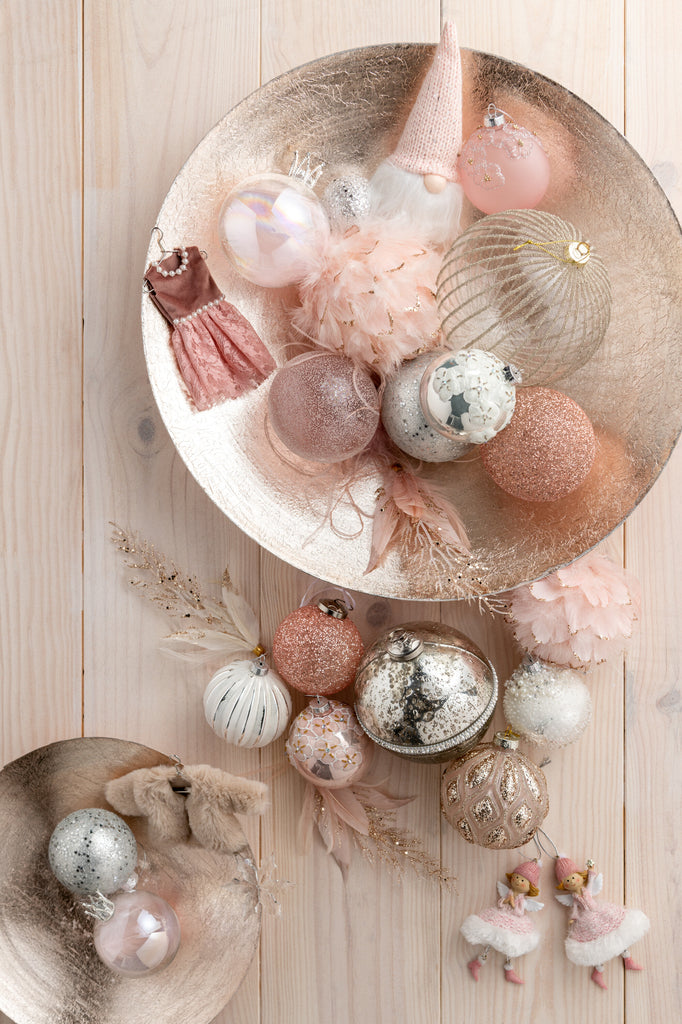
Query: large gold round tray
[
  {"x": 49, "y": 970},
  {"x": 348, "y": 109}
]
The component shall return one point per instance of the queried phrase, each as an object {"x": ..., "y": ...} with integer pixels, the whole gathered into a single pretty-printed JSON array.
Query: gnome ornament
[{"x": 418, "y": 183}]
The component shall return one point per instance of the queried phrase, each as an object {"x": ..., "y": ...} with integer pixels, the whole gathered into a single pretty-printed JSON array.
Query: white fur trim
[
  {"x": 399, "y": 195},
  {"x": 635, "y": 924},
  {"x": 481, "y": 932}
]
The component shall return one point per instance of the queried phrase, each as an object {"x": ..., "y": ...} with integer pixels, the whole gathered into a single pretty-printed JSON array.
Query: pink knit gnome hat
[
  {"x": 432, "y": 136},
  {"x": 530, "y": 870},
  {"x": 565, "y": 867}
]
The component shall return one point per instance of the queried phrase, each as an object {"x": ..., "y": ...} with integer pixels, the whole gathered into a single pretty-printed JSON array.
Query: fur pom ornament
[
  {"x": 370, "y": 296},
  {"x": 577, "y": 616},
  {"x": 197, "y": 800}
]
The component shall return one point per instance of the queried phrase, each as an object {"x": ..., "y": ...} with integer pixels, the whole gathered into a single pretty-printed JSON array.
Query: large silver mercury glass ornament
[
  {"x": 425, "y": 691},
  {"x": 92, "y": 850}
]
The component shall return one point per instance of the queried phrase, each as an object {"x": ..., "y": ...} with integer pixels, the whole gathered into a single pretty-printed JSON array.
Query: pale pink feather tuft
[
  {"x": 410, "y": 512},
  {"x": 371, "y": 296},
  {"x": 579, "y": 615}
]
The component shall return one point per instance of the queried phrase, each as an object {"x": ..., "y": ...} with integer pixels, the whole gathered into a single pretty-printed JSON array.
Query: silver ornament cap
[
  {"x": 91, "y": 851},
  {"x": 425, "y": 691}
]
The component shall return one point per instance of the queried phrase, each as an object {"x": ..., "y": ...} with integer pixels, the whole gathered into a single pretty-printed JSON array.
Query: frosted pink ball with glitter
[
  {"x": 503, "y": 166},
  {"x": 327, "y": 745},
  {"x": 141, "y": 936},
  {"x": 547, "y": 450},
  {"x": 323, "y": 407},
  {"x": 317, "y": 649},
  {"x": 272, "y": 228}
]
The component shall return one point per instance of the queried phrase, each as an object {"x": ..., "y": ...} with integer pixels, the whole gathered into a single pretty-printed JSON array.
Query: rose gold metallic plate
[
  {"x": 49, "y": 971},
  {"x": 348, "y": 109}
]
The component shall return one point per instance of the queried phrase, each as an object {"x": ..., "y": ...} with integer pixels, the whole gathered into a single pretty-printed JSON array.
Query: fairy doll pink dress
[
  {"x": 597, "y": 931},
  {"x": 506, "y": 926},
  {"x": 218, "y": 352}
]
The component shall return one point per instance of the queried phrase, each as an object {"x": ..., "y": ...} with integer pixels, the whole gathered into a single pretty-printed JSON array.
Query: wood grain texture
[{"x": 102, "y": 103}]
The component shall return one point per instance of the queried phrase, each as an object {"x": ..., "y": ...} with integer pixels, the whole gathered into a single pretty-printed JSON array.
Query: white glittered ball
[
  {"x": 92, "y": 850},
  {"x": 247, "y": 704},
  {"x": 403, "y": 419},
  {"x": 347, "y": 201},
  {"x": 546, "y": 704},
  {"x": 468, "y": 395}
]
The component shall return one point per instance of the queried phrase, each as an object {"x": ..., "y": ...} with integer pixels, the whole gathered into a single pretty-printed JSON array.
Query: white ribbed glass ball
[
  {"x": 546, "y": 704},
  {"x": 247, "y": 704}
]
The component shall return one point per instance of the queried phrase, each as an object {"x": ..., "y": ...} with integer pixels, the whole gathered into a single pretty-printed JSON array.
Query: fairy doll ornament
[
  {"x": 505, "y": 927},
  {"x": 597, "y": 931}
]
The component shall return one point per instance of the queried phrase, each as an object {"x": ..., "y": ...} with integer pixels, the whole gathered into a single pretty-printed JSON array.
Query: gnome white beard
[{"x": 433, "y": 217}]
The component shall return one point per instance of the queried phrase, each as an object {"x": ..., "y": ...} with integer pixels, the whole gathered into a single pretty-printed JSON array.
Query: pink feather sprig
[
  {"x": 579, "y": 615},
  {"x": 370, "y": 295},
  {"x": 414, "y": 514}
]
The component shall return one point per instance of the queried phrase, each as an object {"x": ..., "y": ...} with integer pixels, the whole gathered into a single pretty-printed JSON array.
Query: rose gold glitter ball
[
  {"x": 546, "y": 451},
  {"x": 315, "y": 652}
]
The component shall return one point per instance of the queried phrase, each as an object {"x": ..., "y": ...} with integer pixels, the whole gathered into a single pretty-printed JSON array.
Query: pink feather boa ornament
[
  {"x": 579, "y": 615},
  {"x": 370, "y": 295}
]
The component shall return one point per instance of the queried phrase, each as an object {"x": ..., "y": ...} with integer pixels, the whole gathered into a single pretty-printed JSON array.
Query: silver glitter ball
[
  {"x": 425, "y": 691},
  {"x": 91, "y": 851},
  {"x": 404, "y": 420},
  {"x": 346, "y": 201}
]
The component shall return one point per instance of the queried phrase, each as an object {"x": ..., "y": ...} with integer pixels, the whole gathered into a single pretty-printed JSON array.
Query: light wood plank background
[{"x": 101, "y": 103}]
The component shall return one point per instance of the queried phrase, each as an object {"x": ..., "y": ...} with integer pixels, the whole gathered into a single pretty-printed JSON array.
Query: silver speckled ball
[
  {"x": 346, "y": 201},
  {"x": 92, "y": 850},
  {"x": 547, "y": 705},
  {"x": 425, "y": 691},
  {"x": 403, "y": 419}
]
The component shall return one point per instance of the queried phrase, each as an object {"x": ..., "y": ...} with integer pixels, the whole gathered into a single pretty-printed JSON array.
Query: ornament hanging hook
[
  {"x": 553, "y": 852},
  {"x": 180, "y": 784}
]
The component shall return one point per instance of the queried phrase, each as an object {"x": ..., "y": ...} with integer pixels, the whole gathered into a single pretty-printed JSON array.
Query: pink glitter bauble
[
  {"x": 547, "y": 450},
  {"x": 316, "y": 651},
  {"x": 142, "y": 935},
  {"x": 323, "y": 407},
  {"x": 503, "y": 167},
  {"x": 327, "y": 746},
  {"x": 272, "y": 228}
]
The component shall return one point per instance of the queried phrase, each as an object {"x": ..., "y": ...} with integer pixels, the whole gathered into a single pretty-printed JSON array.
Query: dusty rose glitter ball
[
  {"x": 323, "y": 407},
  {"x": 547, "y": 450},
  {"x": 317, "y": 649}
]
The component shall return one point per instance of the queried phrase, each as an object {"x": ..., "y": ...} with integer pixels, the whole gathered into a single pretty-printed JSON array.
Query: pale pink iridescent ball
[
  {"x": 503, "y": 167},
  {"x": 141, "y": 936},
  {"x": 272, "y": 228},
  {"x": 317, "y": 652},
  {"x": 323, "y": 407},
  {"x": 327, "y": 746}
]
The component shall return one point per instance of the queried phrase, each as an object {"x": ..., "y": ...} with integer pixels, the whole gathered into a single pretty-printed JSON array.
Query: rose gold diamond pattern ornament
[{"x": 494, "y": 796}]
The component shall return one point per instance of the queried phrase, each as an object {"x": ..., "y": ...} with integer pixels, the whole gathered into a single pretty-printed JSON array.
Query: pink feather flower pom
[
  {"x": 577, "y": 616},
  {"x": 370, "y": 295}
]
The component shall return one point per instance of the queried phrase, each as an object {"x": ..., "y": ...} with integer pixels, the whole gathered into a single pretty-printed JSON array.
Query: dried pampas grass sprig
[{"x": 204, "y": 628}]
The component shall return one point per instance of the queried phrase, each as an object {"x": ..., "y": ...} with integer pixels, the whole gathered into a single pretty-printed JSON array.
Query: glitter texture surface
[
  {"x": 547, "y": 450},
  {"x": 315, "y": 652},
  {"x": 92, "y": 850},
  {"x": 546, "y": 704},
  {"x": 402, "y": 416},
  {"x": 503, "y": 797},
  {"x": 323, "y": 408}
]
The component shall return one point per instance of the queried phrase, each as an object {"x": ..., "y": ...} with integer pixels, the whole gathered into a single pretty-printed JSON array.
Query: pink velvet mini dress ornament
[{"x": 218, "y": 352}]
